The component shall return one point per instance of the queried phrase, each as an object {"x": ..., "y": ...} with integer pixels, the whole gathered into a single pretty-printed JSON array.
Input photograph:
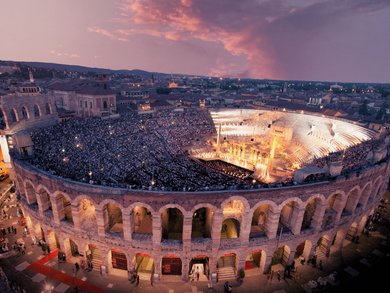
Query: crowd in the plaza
[{"x": 133, "y": 151}]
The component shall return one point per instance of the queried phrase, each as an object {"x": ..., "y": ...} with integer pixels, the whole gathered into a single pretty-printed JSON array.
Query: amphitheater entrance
[
  {"x": 71, "y": 250},
  {"x": 172, "y": 224},
  {"x": 171, "y": 265},
  {"x": 202, "y": 223},
  {"x": 256, "y": 261},
  {"x": 52, "y": 240},
  {"x": 310, "y": 210},
  {"x": 93, "y": 256},
  {"x": 64, "y": 208},
  {"x": 280, "y": 258},
  {"x": 226, "y": 267},
  {"x": 113, "y": 223},
  {"x": 144, "y": 265},
  {"x": 230, "y": 229},
  {"x": 31, "y": 197},
  {"x": 45, "y": 203},
  {"x": 87, "y": 215},
  {"x": 118, "y": 262},
  {"x": 199, "y": 268},
  {"x": 259, "y": 219},
  {"x": 142, "y": 224},
  {"x": 302, "y": 251}
]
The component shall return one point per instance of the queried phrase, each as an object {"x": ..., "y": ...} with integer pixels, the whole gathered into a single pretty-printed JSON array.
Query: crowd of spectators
[{"x": 147, "y": 151}]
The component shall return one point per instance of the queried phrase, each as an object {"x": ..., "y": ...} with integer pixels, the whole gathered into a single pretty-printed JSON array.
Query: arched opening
[
  {"x": 234, "y": 207},
  {"x": 93, "y": 256},
  {"x": 202, "y": 221},
  {"x": 71, "y": 250},
  {"x": 142, "y": 223},
  {"x": 52, "y": 240},
  {"x": 113, "y": 222},
  {"x": 362, "y": 224},
  {"x": 323, "y": 247},
  {"x": 45, "y": 203},
  {"x": 172, "y": 224},
  {"x": 87, "y": 216},
  {"x": 310, "y": 210},
  {"x": 334, "y": 205},
  {"x": 364, "y": 197},
  {"x": 352, "y": 199},
  {"x": 25, "y": 114},
  {"x": 230, "y": 229},
  {"x": 37, "y": 112},
  {"x": 351, "y": 234},
  {"x": 199, "y": 268},
  {"x": 105, "y": 105},
  {"x": 285, "y": 220},
  {"x": 280, "y": 258},
  {"x": 256, "y": 260},
  {"x": 14, "y": 116},
  {"x": 3, "y": 120},
  {"x": 226, "y": 267},
  {"x": 302, "y": 251},
  {"x": 118, "y": 262},
  {"x": 144, "y": 266},
  {"x": 377, "y": 186},
  {"x": 47, "y": 109},
  {"x": 171, "y": 265},
  {"x": 259, "y": 220},
  {"x": 64, "y": 209}
]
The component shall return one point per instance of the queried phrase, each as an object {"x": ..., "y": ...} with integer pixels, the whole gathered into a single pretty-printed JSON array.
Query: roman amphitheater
[{"x": 279, "y": 205}]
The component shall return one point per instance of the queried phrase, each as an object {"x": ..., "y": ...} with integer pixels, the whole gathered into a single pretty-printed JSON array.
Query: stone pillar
[
  {"x": 296, "y": 219},
  {"x": 245, "y": 229},
  {"x": 318, "y": 217},
  {"x": 291, "y": 257},
  {"x": 216, "y": 230},
  {"x": 184, "y": 269},
  {"x": 157, "y": 268},
  {"x": 271, "y": 224},
  {"x": 268, "y": 262},
  {"x": 156, "y": 238},
  {"x": 41, "y": 205},
  {"x": 100, "y": 221},
  {"x": 187, "y": 231},
  {"x": 127, "y": 229},
  {"x": 58, "y": 209},
  {"x": 76, "y": 217}
]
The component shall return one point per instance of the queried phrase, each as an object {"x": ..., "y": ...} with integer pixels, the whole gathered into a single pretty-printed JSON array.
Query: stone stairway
[
  {"x": 96, "y": 260},
  {"x": 226, "y": 273}
]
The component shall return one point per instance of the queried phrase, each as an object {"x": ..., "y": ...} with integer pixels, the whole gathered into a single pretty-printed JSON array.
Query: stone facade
[{"x": 49, "y": 202}]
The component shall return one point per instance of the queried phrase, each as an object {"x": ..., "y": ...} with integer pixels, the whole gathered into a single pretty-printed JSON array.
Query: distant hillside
[{"x": 81, "y": 69}]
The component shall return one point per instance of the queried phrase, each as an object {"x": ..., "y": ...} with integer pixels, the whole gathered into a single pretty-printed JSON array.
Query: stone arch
[
  {"x": 172, "y": 220},
  {"x": 112, "y": 217},
  {"x": 336, "y": 203},
  {"x": 303, "y": 250},
  {"x": 25, "y": 113},
  {"x": 338, "y": 239},
  {"x": 14, "y": 116},
  {"x": 377, "y": 186},
  {"x": 230, "y": 228},
  {"x": 36, "y": 111},
  {"x": 44, "y": 201},
  {"x": 141, "y": 219},
  {"x": 312, "y": 210},
  {"x": 352, "y": 232},
  {"x": 94, "y": 256},
  {"x": 64, "y": 206},
  {"x": 256, "y": 260},
  {"x": 352, "y": 200},
  {"x": 202, "y": 221},
  {"x": 289, "y": 214},
  {"x": 144, "y": 265},
  {"x": 260, "y": 219},
  {"x": 323, "y": 245},
  {"x": 227, "y": 262},
  {"x": 87, "y": 213},
  {"x": 71, "y": 248},
  {"x": 30, "y": 193},
  {"x": 52, "y": 240},
  {"x": 365, "y": 194},
  {"x": 362, "y": 224}
]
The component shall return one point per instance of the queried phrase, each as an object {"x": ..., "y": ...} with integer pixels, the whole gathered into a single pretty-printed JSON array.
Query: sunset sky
[{"x": 333, "y": 40}]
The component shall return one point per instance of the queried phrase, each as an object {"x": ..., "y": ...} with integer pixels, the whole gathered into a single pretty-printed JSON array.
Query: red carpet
[
  {"x": 39, "y": 267},
  {"x": 249, "y": 265}
]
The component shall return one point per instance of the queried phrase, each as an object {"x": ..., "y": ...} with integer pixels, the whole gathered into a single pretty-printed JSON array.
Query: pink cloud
[{"x": 65, "y": 54}]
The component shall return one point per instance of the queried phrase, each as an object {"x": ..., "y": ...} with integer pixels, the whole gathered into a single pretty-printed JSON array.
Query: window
[
  {"x": 14, "y": 117},
  {"x": 48, "y": 109},
  {"x": 24, "y": 113},
  {"x": 105, "y": 106},
  {"x": 37, "y": 113}
]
